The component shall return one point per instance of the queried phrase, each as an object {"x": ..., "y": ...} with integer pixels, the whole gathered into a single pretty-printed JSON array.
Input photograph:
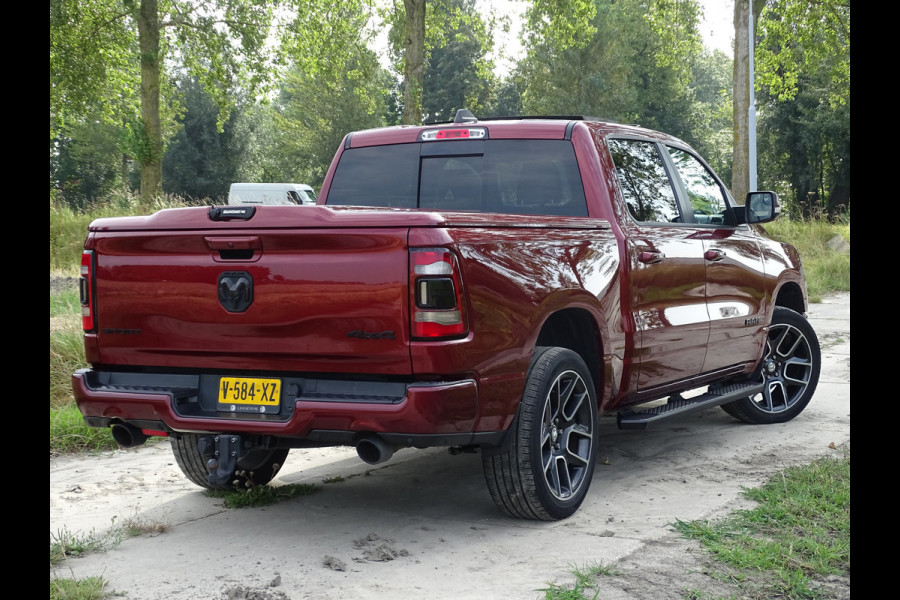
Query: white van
[{"x": 271, "y": 193}]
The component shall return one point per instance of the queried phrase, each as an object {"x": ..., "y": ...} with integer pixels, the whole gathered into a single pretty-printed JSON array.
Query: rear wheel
[
  {"x": 790, "y": 372},
  {"x": 256, "y": 467},
  {"x": 545, "y": 472}
]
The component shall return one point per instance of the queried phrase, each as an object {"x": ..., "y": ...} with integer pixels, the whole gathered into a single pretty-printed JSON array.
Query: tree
[
  {"x": 804, "y": 103},
  {"x": 422, "y": 27},
  {"x": 624, "y": 65},
  {"x": 413, "y": 60},
  {"x": 115, "y": 52},
  {"x": 457, "y": 74},
  {"x": 313, "y": 113},
  {"x": 85, "y": 163},
  {"x": 202, "y": 159}
]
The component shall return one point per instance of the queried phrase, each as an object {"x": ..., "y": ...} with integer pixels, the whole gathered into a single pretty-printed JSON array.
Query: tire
[
  {"x": 790, "y": 371},
  {"x": 545, "y": 470},
  {"x": 257, "y": 467}
]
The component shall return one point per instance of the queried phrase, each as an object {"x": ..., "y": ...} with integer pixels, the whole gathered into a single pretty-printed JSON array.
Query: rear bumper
[{"x": 319, "y": 411}]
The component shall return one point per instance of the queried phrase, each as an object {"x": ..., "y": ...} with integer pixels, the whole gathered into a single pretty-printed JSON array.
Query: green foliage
[
  {"x": 205, "y": 156},
  {"x": 801, "y": 37},
  {"x": 630, "y": 70},
  {"x": 262, "y": 495},
  {"x": 85, "y": 161},
  {"x": 586, "y": 581},
  {"x": 561, "y": 24},
  {"x": 803, "y": 75},
  {"x": 313, "y": 114},
  {"x": 90, "y": 588},
  {"x": 457, "y": 73},
  {"x": 799, "y": 531}
]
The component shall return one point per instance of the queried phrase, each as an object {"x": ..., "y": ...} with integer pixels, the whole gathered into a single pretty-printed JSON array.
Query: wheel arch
[
  {"x": 790, "y": 295},
  {"x": 577, "y": 330}
]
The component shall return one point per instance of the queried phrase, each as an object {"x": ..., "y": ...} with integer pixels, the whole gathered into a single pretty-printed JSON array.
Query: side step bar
[{"x": 715, "y": 396}]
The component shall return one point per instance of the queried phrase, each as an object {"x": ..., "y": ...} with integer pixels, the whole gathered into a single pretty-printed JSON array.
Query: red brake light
[
  {"x": 436, "y": 299},
  {"x": 454, "y": 133},
  {"x": 445, "y": 134},
  {"x": 85, "y": 290}
]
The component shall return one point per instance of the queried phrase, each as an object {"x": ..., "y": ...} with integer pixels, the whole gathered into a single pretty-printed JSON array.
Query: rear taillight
[
  {"x": 86, "y": 290},
  {"x": 436, "y": 294}
]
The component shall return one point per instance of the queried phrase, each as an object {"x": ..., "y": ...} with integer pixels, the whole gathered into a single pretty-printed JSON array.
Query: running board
[{"x": 715, "y": 396}]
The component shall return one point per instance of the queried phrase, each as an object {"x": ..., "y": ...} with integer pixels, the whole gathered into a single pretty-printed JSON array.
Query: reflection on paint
[
  {"x": 726, "y": 310},
  {"x": 687, "y": 314}
]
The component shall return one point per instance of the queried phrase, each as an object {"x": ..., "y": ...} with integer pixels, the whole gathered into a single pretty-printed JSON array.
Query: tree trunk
[
  {"x": 150, "y": 156},
  {"x": 740, "y": 171},
  {"x": 414, "y": 61}
]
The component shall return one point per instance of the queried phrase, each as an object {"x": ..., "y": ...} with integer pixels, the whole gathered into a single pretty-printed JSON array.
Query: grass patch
[
  {"x": 90, "y": 588},
  {"x": 66, "y": 356},
  {"x": 69, "y": 228},
  {"x": 826, "y": 270},
  {"x": 585, "y": 585},
  {"x": 798, "y": 535},
  {"x": 65, "y": 544},
  {"x": 69, "y": 434},
  {"x": 262, "y": 495}
]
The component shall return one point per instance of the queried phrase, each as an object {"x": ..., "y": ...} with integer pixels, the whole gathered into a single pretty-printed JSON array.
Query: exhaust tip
[
  {"x": 128, "y": 436},
  {"x": 374, "y": 450}
]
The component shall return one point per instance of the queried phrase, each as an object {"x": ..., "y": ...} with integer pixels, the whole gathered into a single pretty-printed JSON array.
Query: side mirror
[{"x": 761, "y": 207}]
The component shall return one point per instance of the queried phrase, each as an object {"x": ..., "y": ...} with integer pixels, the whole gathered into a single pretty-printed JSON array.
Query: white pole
[{"x": 752, "y": 109}]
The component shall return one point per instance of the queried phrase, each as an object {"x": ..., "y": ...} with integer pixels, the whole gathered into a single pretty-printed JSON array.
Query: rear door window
[{"x": 644, "y": 181}]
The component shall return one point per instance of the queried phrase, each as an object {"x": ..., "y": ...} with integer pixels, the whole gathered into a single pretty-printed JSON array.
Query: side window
[
  {"x": 644, "y": 181},
  {"x": 704, "y": 194}
]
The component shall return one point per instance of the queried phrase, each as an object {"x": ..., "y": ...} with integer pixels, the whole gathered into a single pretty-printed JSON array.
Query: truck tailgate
[{"x": 318, "y": 299}]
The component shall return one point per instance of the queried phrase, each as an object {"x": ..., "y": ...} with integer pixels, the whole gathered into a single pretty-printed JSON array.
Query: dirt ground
[{"x": 422, "y": 525}]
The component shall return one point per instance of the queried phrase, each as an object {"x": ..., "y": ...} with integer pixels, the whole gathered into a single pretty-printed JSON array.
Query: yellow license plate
[{"x": 249, "y": 392}]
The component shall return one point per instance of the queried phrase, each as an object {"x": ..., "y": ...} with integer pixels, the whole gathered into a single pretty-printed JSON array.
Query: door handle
[
  {"x": 650, "y": 257},
  {"x": 714, "y": 254}
]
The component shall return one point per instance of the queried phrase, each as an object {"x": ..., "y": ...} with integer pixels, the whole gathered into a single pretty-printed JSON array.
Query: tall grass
[
  {"x": 68, "y": 228},
  {"x": 826, "y": 270}
]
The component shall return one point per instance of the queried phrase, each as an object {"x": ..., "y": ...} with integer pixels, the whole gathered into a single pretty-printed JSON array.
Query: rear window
[{"x": 528, "y": 177}]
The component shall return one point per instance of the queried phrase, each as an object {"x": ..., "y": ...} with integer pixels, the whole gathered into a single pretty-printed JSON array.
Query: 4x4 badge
[{"x": 235, "y": 291}]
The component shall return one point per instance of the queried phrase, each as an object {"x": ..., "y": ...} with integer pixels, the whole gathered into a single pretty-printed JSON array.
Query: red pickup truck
[{"x": 491, "y": 285}]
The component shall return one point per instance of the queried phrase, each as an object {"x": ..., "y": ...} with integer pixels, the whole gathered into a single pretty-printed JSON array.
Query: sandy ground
[{"x": 423, "y": 524}]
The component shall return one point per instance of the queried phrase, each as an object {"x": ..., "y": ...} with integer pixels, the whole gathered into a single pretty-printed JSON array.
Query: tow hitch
[{"x": 221, "y": 453}]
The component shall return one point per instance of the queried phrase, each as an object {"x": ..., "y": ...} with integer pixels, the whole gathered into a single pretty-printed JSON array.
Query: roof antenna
[{"x": 464, "y": 116}]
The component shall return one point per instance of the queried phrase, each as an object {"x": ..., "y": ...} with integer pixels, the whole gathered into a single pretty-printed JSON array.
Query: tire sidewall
[{"x": 547, "y": 366}]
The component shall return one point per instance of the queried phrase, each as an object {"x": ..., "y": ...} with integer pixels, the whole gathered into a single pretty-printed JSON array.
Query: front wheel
[
  {"x": 545, "y": 472},
  {"x": 256, "y": 467},
  {"x": 790, "y": 372}
]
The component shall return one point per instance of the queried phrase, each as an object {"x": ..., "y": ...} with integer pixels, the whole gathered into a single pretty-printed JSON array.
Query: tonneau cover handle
[{"x": 227, "y": 213}]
